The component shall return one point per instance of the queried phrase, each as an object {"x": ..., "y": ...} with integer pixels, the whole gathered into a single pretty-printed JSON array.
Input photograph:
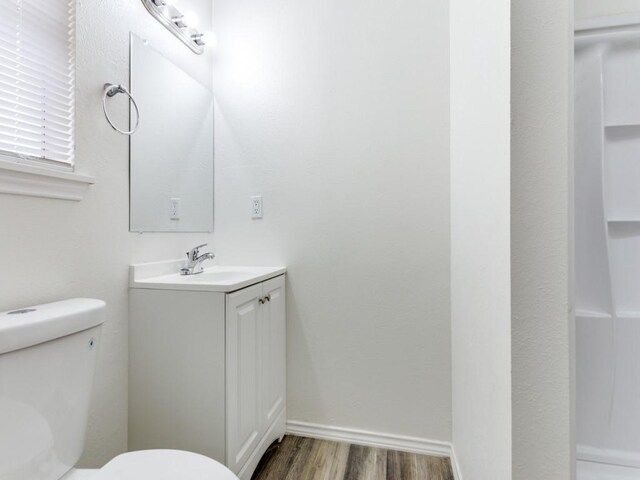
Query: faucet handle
[{"x": 193, "y": 253}]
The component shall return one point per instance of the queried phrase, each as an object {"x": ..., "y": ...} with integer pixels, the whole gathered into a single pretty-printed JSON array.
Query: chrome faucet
[{"x": 194, "y": 264}]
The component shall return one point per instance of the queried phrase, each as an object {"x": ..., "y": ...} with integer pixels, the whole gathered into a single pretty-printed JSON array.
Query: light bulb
[
  {"x": 179, "y": 21},
  {"x": 198, "y": 38}
]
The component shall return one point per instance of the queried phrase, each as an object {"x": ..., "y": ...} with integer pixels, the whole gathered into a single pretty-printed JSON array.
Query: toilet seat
[{"x": 163, "y": 465}]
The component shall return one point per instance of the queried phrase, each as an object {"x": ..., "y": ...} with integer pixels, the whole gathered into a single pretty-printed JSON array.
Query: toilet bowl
[
  {"x": 47, "y": 362},
  {"x": 156, "y": 465}
]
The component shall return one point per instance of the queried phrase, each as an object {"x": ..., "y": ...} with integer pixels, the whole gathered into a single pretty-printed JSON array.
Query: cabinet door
[
  {"x": 244, "y": 425},
  {"x": 273, "y": 373}
]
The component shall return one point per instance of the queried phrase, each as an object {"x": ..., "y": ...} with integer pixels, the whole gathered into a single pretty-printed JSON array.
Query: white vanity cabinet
[
  {"x": 255, "y": 367},
  {"x": 208, "y": 369}
]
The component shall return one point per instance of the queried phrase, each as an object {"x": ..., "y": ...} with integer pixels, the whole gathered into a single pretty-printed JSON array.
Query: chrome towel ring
[{"x": 111, "y": 90}]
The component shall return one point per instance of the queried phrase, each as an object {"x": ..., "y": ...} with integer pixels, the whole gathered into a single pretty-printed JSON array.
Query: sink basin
[
  {"x": 166, "y": 276},
  {"x": 217, "y": 276}
]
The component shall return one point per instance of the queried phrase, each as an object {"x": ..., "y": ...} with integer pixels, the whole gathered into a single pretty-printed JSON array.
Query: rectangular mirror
[{"x": 171, "y": 153}]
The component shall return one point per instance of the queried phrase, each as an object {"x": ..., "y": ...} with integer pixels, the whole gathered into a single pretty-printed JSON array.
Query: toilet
[{"x": 47, "y": 362}]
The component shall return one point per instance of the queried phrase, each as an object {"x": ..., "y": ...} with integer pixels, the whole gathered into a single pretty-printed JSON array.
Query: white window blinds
[{"x": 37, "y": 73}]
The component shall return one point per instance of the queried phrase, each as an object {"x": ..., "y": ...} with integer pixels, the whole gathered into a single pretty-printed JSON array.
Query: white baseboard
[
  {"x": 401, "y": 443},
  {"x": 457, "y": 473}
]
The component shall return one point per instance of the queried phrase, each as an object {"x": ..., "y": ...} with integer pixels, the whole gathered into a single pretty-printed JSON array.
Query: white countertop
[{"x": 217, "y": 278}]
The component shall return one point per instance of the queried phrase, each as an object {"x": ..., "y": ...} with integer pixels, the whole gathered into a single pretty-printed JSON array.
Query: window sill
[{"x": 19, "y": 179}]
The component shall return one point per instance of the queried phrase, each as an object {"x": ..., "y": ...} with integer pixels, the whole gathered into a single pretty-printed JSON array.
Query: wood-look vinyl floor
[{"x": 300, "y": 458}]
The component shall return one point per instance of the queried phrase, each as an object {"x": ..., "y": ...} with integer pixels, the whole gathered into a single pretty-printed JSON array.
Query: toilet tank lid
[{"x": 25, "y": 327}]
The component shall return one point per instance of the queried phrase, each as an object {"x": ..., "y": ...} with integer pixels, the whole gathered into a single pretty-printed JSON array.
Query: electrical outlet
[
  {"x": 174, "y": 209},
  {"x": 256, "y": 206}
]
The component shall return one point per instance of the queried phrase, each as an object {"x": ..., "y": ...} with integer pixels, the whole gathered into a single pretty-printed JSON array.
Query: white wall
[
  {"x": 542, "y": 99},
  {"x": 600, "y": 8},
  {"x": 480, "y": 235},
  {"x": 511, "y": 310},
  {"x": 337, "y": 113},
  {"x": 54, "y": 249},
  {"x": 340, "y": 119}
]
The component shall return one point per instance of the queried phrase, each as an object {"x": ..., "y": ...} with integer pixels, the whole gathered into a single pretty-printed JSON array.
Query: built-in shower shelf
[
  {"x": 624, "y": 220},
  {"x": 592, "y": 314},
  {"x": 628, "y": 315},
  {"x": 622, "y": 126}
]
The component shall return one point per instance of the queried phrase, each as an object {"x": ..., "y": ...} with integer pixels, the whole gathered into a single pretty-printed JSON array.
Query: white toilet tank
[{"x": 47, "y": 360}]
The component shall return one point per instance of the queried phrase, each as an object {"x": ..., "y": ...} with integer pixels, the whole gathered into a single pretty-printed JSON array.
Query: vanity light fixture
[{"x": 177, "y": 23}]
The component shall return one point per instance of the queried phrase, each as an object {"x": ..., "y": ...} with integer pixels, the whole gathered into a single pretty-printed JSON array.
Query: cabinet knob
[{"x": 265, "y": 299}]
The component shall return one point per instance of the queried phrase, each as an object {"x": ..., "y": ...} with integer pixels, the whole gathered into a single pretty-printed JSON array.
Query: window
[{"x": 37, "y": 75}]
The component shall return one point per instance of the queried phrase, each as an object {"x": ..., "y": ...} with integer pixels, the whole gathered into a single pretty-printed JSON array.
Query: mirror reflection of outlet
[
  {"x": 174, "y": 209},
  {"x": 256, "y": 206}
]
